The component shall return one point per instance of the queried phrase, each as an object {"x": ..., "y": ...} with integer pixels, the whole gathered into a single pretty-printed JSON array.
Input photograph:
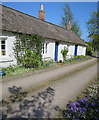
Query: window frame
[
  {"x": 3, "y": 44},
  {"x": 46, "y": 48}
]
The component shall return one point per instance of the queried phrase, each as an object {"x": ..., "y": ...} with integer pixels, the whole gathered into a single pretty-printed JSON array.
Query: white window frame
[
  {"x": 3, "y": 39},
  {"x": 45, "y": 48}
]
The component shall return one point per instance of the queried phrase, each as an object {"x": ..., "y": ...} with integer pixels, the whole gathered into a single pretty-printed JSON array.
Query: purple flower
[
  {"x": 84, "y": 116},
  {"x": 68, "y": 115},
  {"x": 96, "y": 110}
]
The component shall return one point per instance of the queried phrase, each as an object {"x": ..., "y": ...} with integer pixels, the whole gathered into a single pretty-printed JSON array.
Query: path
[
  {"x": 39, "y": 80},
  {"x": 49, "y": 100}
]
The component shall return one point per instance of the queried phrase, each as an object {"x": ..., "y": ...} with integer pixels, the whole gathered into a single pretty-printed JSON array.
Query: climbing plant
[
  {"x": 27, "y": 48},
  {"x": 64, "y": 53}
]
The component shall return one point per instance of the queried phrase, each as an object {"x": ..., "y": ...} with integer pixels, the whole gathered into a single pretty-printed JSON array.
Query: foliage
[
  {"x": 84, "y": 107},
  {"x": 74, "y": 23},
  {"x": 24, "y": 42},
  {"x": 9, "y": 69},
  {"x": 92, "y": 26},
  {"x": 64, "y": 53},
  {"x": 14, "y": 70},
  {"x": 76, "y": 58},
  {"x": 89, "y": 48},
  {"x": 31, "y": 59},
  {"x": 79, "y": 57}
]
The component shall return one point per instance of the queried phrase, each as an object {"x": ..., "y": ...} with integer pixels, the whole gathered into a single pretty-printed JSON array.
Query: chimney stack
[
  {"x": 41, "y": 13},
  {"x": 69, "y": 25}
]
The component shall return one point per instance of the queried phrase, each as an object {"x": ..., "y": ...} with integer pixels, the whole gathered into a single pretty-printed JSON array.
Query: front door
[
  {"x": 75, "y": 50},
  {"x": 56, "y": 51}
]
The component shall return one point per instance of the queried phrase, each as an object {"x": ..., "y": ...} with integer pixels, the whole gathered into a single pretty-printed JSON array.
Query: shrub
[
  {"x": 89, "y": 48},
  {"x": 9, "y": 69},
  {"x": 25, "y": 41},
  {"x": 31, "y": 59},
  {"x": 64, "y": 53}
]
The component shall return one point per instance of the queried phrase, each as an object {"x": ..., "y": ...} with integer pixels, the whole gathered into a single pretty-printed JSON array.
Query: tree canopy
[
  {"x": 92, "y": 26},
  {"x": 74, "y": 23}
]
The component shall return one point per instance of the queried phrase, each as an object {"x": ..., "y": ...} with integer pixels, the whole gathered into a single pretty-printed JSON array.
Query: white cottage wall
[
  {"x": 71, "y": 50},
  {"x": 50, "y": 50},
  {"x": 84, "y": 51},
  {"x": 61, "y": 47},
  {"x": 81, "y": 50},
  {"x": 8, "y": 58}
]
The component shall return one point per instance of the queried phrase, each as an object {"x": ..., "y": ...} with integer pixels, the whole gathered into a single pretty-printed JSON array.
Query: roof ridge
[
  {"x": 57, "y": 27},
  {"x": 34, "y": 17}
]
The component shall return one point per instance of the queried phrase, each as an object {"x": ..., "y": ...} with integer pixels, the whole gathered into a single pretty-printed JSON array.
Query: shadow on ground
[{"x": 36, "y": 106}]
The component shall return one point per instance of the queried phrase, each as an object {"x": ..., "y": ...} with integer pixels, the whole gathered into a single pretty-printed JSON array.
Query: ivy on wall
[{"x": 25, "y": 42}]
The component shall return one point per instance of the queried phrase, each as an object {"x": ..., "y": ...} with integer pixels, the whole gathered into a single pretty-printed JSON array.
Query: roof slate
[{"x": 18, "y": 22}]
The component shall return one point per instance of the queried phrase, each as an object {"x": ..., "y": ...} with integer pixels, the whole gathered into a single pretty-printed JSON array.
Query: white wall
[
  {"x": 70, "y": 53},
  {"x": 50, "y": 50},
  {"x": 81, "y": 50},
  {"x": 7, "y": 59},
  {"x": 61, "y": 47}
]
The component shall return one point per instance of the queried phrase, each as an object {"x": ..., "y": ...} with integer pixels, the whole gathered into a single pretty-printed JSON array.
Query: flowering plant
[{"x": 86, "y": 108}]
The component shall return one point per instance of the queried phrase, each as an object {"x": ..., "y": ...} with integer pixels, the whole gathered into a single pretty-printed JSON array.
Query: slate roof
[{"x": 18, "y": 22}]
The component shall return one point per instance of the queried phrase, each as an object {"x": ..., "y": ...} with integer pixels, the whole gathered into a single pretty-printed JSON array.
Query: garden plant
[
  {"x": 64, "y": 53},
  {"x": 85, "y": 107}
]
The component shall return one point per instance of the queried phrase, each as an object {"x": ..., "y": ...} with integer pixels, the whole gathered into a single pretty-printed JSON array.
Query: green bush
[
  {"x": 31, "y": 59},
  {"x": 25, "y": 41},
  {"x": 64, "y": 53},
  {"x": 10, "y": 69},
  {"x": 89, "y": 48}
]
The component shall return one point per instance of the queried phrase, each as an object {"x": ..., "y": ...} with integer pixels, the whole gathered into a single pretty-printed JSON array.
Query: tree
[
  {"x": 89, "y": 48},
  {"x": 69, "y": 15},
  {"x": 92, "y": 26}
]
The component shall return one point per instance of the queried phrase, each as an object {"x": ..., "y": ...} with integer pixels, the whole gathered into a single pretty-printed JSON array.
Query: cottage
[{"x": 56, "y": 37}]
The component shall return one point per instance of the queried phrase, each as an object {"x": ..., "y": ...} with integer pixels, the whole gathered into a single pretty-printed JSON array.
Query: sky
[{"x": 54, "y": 11}]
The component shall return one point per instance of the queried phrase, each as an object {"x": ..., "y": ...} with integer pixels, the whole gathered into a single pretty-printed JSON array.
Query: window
[
  {"x": 46, "y": 48},
  {"x": 68, "y": 46},
  {"x": 3, "y": 51},
  {"x": 43, "y": 48}
]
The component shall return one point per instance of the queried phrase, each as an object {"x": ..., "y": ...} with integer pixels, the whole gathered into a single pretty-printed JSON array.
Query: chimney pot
[
  {"x": 41, "y": 6},
  {"x": 69, "y": 25},
  {"x": 41, "y": 13}
]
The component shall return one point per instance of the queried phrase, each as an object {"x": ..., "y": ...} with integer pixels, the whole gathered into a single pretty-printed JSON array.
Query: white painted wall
[
  {"x": 81, "y": 50},
  {"x": 50, "y": 50},
  {"x": 7, "y": 59},
  {"x": 61, "y": 47},
  {"x": 71, "y": 49}
]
